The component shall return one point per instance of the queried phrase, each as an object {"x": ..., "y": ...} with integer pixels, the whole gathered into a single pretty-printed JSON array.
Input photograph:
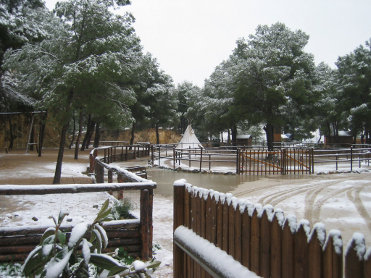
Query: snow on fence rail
[{"x": 262, "y": 239}]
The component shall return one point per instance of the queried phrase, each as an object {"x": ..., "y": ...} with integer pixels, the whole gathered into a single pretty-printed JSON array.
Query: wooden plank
[
  {"x": 354, "y": 257},
  {"x": 245, "y": 239},
  {"x": 367, "y": 265},
  {"x": 219, "y": 224},
  {"x": 225, "y": 239},
  {"x": 265, "y": 245},
  {"x": 333, "y": 257},
  {"x": 287, "y": 251},
  {"x": 315, "y": 255},
  {"x": 231, "y": 226},
  {"x": 237, "y": 234},
  {"x": 255, "y": 243},
  {"x": 178, "y": 220},
  {"x": 276, "y": 238},
  {"x": 301, "y": 253}
]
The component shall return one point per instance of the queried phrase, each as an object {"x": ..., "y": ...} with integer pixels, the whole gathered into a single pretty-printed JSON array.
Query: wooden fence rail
[{"x": 263, "y": 239}]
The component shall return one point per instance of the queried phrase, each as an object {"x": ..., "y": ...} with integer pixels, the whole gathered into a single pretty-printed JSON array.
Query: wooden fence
[
  {"x": 348, "y": 158},
  {"x": 280, "y": 161},
  {"x": 135, "y": 235},
  {"x": 262, "y": 239}
]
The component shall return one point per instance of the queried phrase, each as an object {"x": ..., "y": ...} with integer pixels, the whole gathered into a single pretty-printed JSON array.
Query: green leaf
[
  {"x": 103, "y": 208},
  {"x": 34, "y": 263},
  {"x": 97, "y": 243},
  {"x": 103, "y": 235},
  {"x": 61, "y": 216},
  {"x": 154, "y": 264},
  {"x": 48, "y": 232},
  {"x": 107, "y": 262},
  {"x": 62, "y": 237}
]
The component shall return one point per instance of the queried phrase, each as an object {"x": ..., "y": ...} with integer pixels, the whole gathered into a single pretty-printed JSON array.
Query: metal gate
[{"x": 280, "y": 161}]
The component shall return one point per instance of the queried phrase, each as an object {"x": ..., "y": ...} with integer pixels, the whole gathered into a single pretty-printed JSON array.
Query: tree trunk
[
  {"x": 88, "y": 134},
  {"x": 234, "y": 135},
  {"x": 229, "y": 137},
  {"x": 77, "y": 144},
  {"x": 42, "y": 132},
  {"x": 97, "y": 135},
  {"x": 157, "y": 135},
  {"x": 269, "y": 131},
  {"x": 58, "y": 168},
  {"x": 132, "y": 134},
  {"x": 11, "y": 138},
  {"x": 73, "y": 132}
]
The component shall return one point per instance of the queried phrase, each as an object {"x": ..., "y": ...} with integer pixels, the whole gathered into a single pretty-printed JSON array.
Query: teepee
[{"x": 189, "y": 140}]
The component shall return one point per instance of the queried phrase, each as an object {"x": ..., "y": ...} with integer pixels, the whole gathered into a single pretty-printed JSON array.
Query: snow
[
  {"x": 54, "y": 268},
  {"x": 78, "y": 231},
  {"x": 208, "y": 252},
  {"x": 139, "y": 265},
  {"x": 358, "y": 244}
]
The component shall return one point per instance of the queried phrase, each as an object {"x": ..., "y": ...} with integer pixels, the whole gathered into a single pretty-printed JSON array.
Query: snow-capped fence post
[
  {"x": 354, "y": 255},
  {"x": 333, "y": 256},
  {"x": 179, "y": 220}
]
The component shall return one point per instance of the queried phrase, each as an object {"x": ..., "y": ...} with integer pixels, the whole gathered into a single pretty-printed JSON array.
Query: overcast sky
[{"x": 189, "y": 38}]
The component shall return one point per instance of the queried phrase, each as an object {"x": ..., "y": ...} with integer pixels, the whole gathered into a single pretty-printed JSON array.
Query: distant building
[{"x": 244, "y": 140}]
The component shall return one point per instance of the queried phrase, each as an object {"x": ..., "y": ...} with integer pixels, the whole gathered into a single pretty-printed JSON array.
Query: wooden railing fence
[
  {"x": 135, "y": 235},
  {"x": 279, "y": 161},
  {"x": 262, "y": 239}
]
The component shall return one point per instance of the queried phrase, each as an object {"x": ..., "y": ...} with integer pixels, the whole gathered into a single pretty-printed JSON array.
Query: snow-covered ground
[{"x": 340, "y": 201}]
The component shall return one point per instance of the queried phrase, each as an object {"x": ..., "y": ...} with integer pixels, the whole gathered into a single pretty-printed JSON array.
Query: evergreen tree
[{"x": 87, "y": 59}]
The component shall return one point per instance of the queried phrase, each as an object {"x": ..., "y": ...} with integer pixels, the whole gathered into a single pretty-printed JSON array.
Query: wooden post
[
  {"x": 178, "y": 254},
  {"x": 351, "y": 159},
  {"x": 146, "y": 206},
  {"x": 29, "y": 133},
  {"x": 174, "y": 161},
  {"x": 238, "y": 162},
  {"x": 201, "y": 160},
  {"x": 99, "y": 173}
]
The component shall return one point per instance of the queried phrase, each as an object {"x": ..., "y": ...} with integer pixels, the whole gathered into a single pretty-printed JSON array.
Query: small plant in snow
[
  {"x": 121, "y": 209},
  {"x": 56, "y": 256}
]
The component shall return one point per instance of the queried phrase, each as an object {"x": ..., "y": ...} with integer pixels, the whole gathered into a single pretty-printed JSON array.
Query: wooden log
[
  {"x": 20, "y": 240},
  {"x": 5, "y": 250}
]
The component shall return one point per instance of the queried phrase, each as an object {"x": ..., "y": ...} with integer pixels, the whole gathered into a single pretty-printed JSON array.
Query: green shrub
[{"x": 57, "y": 257}]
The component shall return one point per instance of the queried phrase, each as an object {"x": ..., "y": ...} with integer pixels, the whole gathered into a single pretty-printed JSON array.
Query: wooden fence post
[
  {"x": 201, "y": 160},
  {"x": 146, "y": 206},
  {"x": 238, "y": 162},
  {"x": 178, "y": 254},
  {"x": 174, "y": 161},
  {"x": 99, "y": 173}
]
